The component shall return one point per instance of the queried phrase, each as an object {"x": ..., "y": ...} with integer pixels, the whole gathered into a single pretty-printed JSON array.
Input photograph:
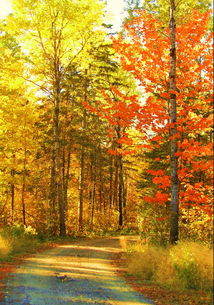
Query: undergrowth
[
  {"x": 185, "y": 266},
  {"x": 17, "y": 240}
]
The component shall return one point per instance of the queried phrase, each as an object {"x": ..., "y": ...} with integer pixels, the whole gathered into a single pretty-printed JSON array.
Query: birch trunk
[{"x": 173, "y": 116}]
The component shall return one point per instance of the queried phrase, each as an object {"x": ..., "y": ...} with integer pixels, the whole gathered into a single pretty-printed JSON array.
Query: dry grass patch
[
  {"x": 5, "y": 247},
  {"x": 187, "y": 265}
]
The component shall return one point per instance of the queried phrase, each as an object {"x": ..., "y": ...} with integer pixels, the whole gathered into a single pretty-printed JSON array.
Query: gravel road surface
[{"x": 80, "y": 273}]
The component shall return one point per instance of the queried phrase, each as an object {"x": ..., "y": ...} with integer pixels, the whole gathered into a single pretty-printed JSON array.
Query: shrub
[
  {"x": 16, "y": 240},
  {"x": 144, "y": 261},
  {"x": 4, "y": 247},
  {"x": 187, "y": 265},
  {"x": 193, "y": 263}
]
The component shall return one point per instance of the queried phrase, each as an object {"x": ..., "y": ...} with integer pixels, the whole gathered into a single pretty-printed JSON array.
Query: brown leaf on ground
[{"x": 5, "y": 270}]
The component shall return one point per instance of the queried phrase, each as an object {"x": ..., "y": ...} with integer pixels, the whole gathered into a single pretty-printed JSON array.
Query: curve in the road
[{"x": 80, "y": 274}]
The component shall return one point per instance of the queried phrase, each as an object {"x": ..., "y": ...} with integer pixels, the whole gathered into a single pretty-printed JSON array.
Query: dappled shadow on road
[{"x": 71, "y": 274}]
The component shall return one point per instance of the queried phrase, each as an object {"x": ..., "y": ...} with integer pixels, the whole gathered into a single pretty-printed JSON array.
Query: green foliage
[
  {"x": 153, "y": 224},
  {"x": 188, "y": 274}
]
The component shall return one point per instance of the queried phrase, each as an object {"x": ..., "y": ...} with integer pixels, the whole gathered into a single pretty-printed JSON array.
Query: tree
[
  {"x": 119, "y": 110},
  {"x": 147, "y": 49},
  {"x": 49, "y": 30},
  {"x": 173, "y": 130},
  {"x": 78, "y": 135},
  {"x": 17, "y": 119}
]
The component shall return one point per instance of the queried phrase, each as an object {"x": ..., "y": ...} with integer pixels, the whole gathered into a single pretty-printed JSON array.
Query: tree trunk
[
  {"x": 115, "y": 190},
  {"x": 12, "y": 195},
  {"x": 53, "y": 219},
  {"x": 66, "y": 178},
  {"x": 120, "y": 190},
  {"x": 120, "y": 182},
  {"x": 100, "y": 188},
  {"x": 110, "y": 182},
  {"x": 81, "y": 183},
  {"x": 173, "y": 115},
  {"x": 93, "y": 187},
  {"x": 57, "y": 80},
  {"x": 59, "y": 181},
  {"x": 23, "y": 189},
  {"x": 93, "y": 198},
  {"x": 82, "y": 162},
  {"x": 125, "y": 190}
]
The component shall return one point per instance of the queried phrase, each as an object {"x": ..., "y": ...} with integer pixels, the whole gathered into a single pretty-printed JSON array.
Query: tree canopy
[{"x": 101, "y": 132}]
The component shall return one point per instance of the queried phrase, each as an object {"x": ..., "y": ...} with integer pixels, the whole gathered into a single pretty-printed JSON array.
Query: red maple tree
[{"x": 144, "y": 51}]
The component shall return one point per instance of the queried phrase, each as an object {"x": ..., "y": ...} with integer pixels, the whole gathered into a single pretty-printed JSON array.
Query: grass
[
  {"x": 16, "y": 241},
  {"x": 180, "y": 274}
]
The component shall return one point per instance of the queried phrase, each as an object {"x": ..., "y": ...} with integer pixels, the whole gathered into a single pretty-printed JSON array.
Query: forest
[
  {"x": 109, "y": 133},
  {"x": 105, "y": 131}
]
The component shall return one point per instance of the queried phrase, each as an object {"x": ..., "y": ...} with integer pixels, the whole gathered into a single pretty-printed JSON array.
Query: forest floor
[{"x": 79, "y": 273}]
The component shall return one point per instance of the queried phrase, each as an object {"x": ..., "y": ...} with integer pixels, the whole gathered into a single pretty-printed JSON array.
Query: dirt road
[{"x": 80, "y": 273}]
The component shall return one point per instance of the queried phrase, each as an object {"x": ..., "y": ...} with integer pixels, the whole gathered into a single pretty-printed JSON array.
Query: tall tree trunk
[
  {"x": 24, "y": 172},
  {"x": 53, "y": 217},
  {"x": 121, "y": 182},
  {"x": 120, "y": 190},
  {"x": 57, "y": 80},
  {"x": 81, "y": 190},
  {"x": 174, "y": 145},
  {"x": 125, "y": 190},
  {"x": 82, "y": 162},
  {"x": 100, "y": 188},
  {"x": 93, "y": 195},
  {"x": 12, "y": 195},
  {"x": 23, "y": 189},
  {"x": 59, "y": 180},
  {"x": 115, "y": 190},
  {"x": 66, "y": 178},
  {"x": 110, "y": 182}
]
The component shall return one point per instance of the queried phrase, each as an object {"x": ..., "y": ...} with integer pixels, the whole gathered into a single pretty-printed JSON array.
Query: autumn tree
[
  {"x": 57, "y": 34},
  {"x": 145, "y": 51},
  {"x": 18, "y": 145},
  {"x": 79, "y": 134},
  {"x": 119, "y": 110}
]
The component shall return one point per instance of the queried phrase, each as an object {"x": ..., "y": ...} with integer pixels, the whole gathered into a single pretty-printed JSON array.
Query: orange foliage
[{"x": 144, "y": 51}]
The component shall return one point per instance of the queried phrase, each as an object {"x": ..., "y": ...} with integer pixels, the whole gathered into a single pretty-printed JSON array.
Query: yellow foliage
[{"x": 4, "y": 247}]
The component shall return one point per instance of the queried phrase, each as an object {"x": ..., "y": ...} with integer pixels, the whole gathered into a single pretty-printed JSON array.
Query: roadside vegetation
[
  {"x": 18, "y": 240},
  {"x": 15, "y": 242},
  {"x": 178, "y": 274},
  {"x": 187, "y": 265}
]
